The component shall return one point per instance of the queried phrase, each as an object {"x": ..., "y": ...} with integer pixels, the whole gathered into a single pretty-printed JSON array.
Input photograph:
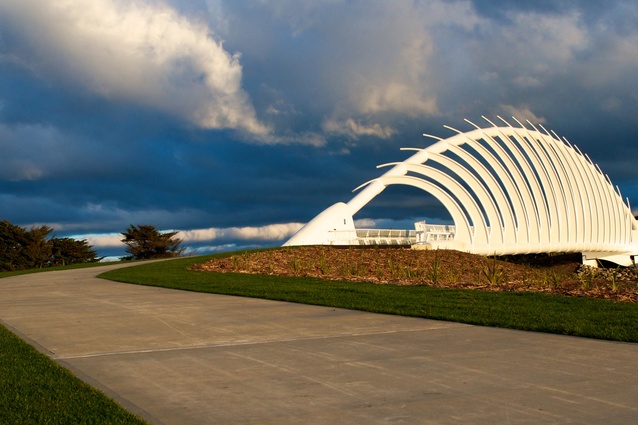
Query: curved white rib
[{"x": 463, "y": 228}]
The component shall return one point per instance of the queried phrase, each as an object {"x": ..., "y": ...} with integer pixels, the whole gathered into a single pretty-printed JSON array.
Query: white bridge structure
[{"x": 509, "y": 190}]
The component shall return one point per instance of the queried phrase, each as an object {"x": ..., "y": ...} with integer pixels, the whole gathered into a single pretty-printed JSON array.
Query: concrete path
[{"x": 187, "y": 358}]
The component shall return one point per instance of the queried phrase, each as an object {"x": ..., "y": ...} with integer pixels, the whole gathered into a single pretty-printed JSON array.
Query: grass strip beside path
[
  {"x": 585, "y": 317},
  {"x": 36, "y": 390}
]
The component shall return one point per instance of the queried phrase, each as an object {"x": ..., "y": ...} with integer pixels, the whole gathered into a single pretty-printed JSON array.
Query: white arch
[
  {"x": 520, "y": 213},
  {"x": 448, "y": 184},
  {"x": 463, "y": 228},
  {"x": 536, "y": 194},
  {"x": 532, "y": 221},
  {"x": 509, "y": 190},
  {"x": 494, "y": 217},
  {"x": 547, "y": 211},
  {"x": 510, "y": 235}
]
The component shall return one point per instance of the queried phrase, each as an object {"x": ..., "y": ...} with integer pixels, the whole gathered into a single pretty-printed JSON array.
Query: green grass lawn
[
  {"x": 585, "y": 317},
  {"x": 36, "y": 390}
]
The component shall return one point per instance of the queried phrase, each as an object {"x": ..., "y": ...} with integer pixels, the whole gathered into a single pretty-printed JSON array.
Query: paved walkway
[{"x": 186, "y": 358}]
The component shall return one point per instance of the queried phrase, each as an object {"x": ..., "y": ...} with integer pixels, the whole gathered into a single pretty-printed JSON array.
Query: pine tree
[
  {"x": 145, "y": 241},
  {"x": 72, "y": 251},
  {"x": 24, "y": 249}
]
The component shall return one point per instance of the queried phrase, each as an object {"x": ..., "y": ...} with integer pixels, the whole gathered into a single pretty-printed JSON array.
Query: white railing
[
  {"x": 424, "y": 234},
  {"x": 428, "y": 233},
  {"x": 372, "y": 237}
]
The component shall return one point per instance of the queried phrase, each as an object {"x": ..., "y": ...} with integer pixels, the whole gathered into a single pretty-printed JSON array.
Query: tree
[
  {"x": 37, "y": 249},
  {"x": 29, "y": 249},
  {"x": 72, "y": 251},
  {"x": 24, "y": 249},
  {"x": 10, "y": 246},
  {"x": 145, "y": 241}
]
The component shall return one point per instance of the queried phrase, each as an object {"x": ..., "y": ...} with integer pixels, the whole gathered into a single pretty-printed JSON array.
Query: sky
[{"x": 236, "y": 122}]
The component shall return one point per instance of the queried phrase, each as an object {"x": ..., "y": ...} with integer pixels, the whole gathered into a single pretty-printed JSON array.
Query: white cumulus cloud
[
  {"x": 521, "y": 112},
  {"x": 139, "y": 51},
  {"x": 103, "y": 241},
  {"x": 355, "y": 129},
  {"x": 270, "y": 232},
  {"x": 263, "y": 233}
]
